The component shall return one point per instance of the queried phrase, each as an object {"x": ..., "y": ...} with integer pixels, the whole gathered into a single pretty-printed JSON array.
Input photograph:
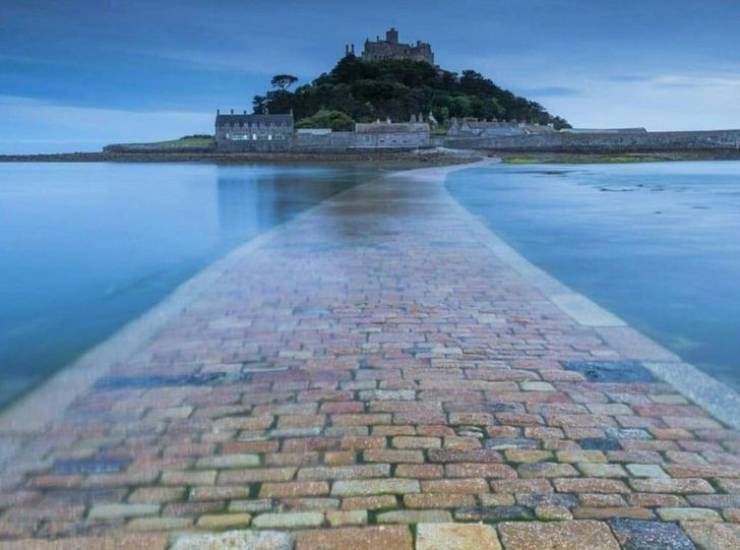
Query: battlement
[{"x": 391, "y": 48}]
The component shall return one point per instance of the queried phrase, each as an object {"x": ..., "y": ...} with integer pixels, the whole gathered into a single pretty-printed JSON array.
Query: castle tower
[{"x": 391, "y": 48}]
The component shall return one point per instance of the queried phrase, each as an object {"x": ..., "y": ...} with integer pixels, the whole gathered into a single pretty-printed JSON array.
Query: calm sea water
[
  {"x": 84, "y": 248},
  {"x": 658, "y": 244}
]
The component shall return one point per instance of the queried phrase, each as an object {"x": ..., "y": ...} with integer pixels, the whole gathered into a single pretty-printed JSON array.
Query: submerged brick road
[{"x": 372, "y": 376}]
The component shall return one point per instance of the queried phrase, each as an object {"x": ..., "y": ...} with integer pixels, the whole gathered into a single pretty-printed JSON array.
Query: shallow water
[
  {"x": 658, "y": 244},
  {"x": 84, "y": 248}
]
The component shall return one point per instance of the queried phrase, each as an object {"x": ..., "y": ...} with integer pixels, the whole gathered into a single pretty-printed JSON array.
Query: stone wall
[
  {"x": 155, "y": 148},
  {"x": 259, "y": 146},
  {"x": 416, "y": 138},
  {"x": 720, "y": 140},
  {"x": 605, "y": 142},
  {"x": 331, "y": 142},
  {"x": 378, "y": 51}
]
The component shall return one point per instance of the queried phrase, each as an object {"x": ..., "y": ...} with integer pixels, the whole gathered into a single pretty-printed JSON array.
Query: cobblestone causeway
[{"x": 373, "y": 376}]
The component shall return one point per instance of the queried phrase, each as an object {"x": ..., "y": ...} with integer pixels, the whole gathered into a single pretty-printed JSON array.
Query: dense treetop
[
  {"x": 336, "y": 120},
  {"x": 396, "y": 89}
]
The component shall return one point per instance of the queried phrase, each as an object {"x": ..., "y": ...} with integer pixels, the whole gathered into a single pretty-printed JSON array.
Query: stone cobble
[{"x": 374, "y": 376}]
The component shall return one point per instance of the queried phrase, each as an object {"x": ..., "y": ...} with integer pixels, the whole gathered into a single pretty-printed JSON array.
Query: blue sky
[{"x": 76, "y": 74}]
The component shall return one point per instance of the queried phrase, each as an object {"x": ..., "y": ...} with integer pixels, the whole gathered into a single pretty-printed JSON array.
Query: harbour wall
[
  {"x": 716, "y": 140},
  {"x": 720, "y": 141}
]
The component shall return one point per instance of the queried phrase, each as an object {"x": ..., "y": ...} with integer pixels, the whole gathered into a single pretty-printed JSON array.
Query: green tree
[
  {"x": 283, "y": 81},
  {"x": 460, "y": 106},
  {"x": 259, "y": 104},
  {"x": 336, "y": 120},
  {"x": 398, "y": 89}
]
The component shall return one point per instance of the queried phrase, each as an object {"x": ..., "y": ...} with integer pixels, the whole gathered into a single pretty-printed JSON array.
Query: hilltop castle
[{"x": 391, "y": 48}]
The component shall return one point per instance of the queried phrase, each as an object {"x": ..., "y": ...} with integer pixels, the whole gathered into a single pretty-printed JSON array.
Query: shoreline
[
  {"x": 424, "y": 157},
  {"x": 534, "y": 157},
  {"x": 36, "y": 409}
]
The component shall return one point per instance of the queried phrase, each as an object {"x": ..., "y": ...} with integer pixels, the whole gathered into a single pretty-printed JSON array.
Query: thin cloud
[
  {"x": 681, "y": 81},
  {"x": 30, "y": 119},
  {"x": 628, "y": 78},
  {"x": 19, "y": 101},
  {"x": 668, "y": 102},
  {"x": 550, "y": 91},
  {"x": 245, "y": 62}
]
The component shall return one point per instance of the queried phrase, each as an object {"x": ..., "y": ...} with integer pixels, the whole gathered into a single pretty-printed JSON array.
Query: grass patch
[
  {"x": 195, "y": 142},
  {"x": 575, "y": 158}
]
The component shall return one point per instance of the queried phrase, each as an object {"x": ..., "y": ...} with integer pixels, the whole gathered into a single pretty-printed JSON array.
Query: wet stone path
[{"x": 372, "y": 376}]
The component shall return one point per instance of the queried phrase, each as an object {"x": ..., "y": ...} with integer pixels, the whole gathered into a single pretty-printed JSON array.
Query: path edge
[{"x": 713, "y": 396}]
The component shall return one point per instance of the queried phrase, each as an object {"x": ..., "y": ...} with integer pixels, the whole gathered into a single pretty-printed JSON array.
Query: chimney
[
  {"x": 218, "y": 112},
  {"x": 232, "y": 111},
  {"x": 353, "y": 50},
  {"x": 245, "y": 111},
  {"x": 346, "y": 50}
]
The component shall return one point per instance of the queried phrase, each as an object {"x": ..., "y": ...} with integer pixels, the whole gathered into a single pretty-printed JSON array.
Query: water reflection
[
  {"x": 238, "y": 207},
  {"x": 84, "y": 248}
]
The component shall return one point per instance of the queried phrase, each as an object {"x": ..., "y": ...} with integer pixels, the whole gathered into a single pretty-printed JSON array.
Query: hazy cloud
[
  {"x": 729, "y": 82},
  {"x": 30, "y": 120},
  {"x": 550, "y": 91},
  {"x": 672, "y": 102}
]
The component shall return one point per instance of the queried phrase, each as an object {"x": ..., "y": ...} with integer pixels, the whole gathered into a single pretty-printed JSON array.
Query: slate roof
[{"x": 242, "y": 119}]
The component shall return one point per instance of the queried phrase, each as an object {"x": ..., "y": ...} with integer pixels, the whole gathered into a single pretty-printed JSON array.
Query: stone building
[
  {"x": 392, "y": 135},
  {"x": 277, "y": 133},
  {"x": 484, "y": 128},
  {"x": 391, "y": 48},
  {"x": 254, "y": 128}
]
